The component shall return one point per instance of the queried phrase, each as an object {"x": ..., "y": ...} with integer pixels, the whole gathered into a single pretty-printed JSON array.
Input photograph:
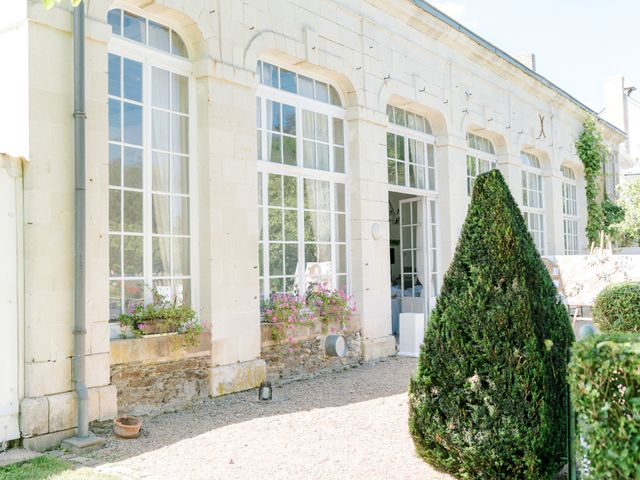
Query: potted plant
[
  {"x": 163, "y": 316},
  {"x": 330, "y": 306},
  {"x": 284, "y": 312}
]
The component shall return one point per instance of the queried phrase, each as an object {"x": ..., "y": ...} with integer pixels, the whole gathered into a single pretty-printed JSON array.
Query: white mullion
[
  {"x": 147, "y": 161},
  {"x": 333, "y": 237}
]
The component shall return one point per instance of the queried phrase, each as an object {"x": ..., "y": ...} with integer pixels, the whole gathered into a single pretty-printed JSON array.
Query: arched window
[
  {"x": 569, "y": 211},
  {"x": 149, "y": 164},
  {"x": 302, "y": 182},
  {"x": 481, "y": 158},
  {"x": 410, "y": 150},
  {"x": 532, "y": 198}
]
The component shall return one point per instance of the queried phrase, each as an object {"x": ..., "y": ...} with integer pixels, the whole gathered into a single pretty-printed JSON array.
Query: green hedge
[
  {"x": 617, "y": 308},
  {"x": 489, "y": 399},
  {"x": 604, "y": 375}
]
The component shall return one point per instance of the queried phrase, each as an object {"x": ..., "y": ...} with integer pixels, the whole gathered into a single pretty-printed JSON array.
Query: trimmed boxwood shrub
[
  {"x": 489, "y": 398},
  {"x": 617, "y": 308},
  {"x": 604, "y": 375}
]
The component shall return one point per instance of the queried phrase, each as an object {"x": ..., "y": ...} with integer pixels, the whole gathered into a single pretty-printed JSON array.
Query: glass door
[{"x": 413, "y": 264}]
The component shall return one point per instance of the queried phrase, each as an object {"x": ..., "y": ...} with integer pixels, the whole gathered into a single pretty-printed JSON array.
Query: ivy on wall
[
  {"x": 592, "y": 153},
  {"x": 50, "y": 3}
]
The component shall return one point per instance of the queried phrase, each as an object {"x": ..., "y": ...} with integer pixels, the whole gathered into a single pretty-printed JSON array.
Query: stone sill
[
  {"x": 300, "y": 333},
  {"x": 163, "y": 347}
]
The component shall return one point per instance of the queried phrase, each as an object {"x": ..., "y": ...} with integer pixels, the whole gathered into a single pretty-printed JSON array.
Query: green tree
[
  {"x": 627, "y": 230},
  {"x": 488, "y": 401},
  {"x": 50, "y": 3}
]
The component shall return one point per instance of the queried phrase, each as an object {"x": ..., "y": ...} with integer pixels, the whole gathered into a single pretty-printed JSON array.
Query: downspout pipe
[{"x": 79, "y": 119}]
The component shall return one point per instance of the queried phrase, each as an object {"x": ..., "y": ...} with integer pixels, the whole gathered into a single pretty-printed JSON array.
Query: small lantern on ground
[{"x": 265, "y": 392}]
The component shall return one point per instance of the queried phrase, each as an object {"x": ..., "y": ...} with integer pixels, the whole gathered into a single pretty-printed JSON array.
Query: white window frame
[
  {"x": 569, "y": 211},
  {"x": 429, "y": 140},
  {"x": 152, "y": 57},
  {"x": 265, "y": 168},
  {"x": 529, "y": 212},
  {"x": 478, "y": 156}
]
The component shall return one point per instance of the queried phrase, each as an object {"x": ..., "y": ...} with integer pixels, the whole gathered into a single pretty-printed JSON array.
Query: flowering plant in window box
[
  {"x": 163, "y": 316},
  {"x": 330, "y": 306},
  {"x": 285, "y": 312}
]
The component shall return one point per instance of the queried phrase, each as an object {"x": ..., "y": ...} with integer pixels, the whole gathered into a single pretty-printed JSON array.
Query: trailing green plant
[
  {"x": 163, "y": 316},
  {"x": 284, "y": 312},
  {"x": 489, "y": 398},
  {"x": 604, "y": 376},
  {"x": 601, "y": 214},
  {"x": 330, "y": 306},
  {"x": 617, "y": 308}
]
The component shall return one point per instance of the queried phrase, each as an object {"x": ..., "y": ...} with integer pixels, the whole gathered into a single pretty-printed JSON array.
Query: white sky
[{"x": 577, "y": 43}]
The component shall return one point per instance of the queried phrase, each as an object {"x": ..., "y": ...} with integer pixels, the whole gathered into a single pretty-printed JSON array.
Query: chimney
[{"x": 528, "y": 60}]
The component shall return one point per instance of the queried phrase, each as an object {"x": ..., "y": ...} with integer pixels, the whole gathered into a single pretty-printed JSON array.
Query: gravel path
[{"x": 347, "y": 425}]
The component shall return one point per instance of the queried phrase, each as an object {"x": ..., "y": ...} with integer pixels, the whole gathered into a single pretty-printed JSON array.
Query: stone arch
[
  {"x": 188, "y": 23},
  {"x": 406, "y": 96},
  {"x": 288, "y": 52},
  {"x": 546, "y": 162},
  {"x": 499, "y": 140}
]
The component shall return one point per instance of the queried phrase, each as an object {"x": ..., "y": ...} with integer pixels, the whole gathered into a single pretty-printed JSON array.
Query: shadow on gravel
[{"x": 335, "y": 389}]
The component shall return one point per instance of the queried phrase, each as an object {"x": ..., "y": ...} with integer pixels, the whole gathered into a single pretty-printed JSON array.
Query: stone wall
[
  {"x": 305, "y": 355},
  {"x": 158, "y": 373}
]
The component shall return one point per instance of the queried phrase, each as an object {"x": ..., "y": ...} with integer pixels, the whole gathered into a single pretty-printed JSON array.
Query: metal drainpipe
[{"x": 79, "y": 117}]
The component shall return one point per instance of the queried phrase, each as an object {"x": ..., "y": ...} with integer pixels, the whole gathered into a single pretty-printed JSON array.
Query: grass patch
[{"x": 49, "y": 468}]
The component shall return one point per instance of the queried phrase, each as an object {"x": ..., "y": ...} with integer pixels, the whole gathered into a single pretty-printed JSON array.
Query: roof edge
[{"x": 427, "y": 7}]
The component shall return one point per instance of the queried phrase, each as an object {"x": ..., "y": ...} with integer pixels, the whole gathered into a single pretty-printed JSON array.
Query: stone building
[{"x": 356, "y": 127}]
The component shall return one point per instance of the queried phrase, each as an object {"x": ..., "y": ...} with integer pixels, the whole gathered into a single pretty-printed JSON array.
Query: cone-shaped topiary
[{"x": 489, "y": 398}]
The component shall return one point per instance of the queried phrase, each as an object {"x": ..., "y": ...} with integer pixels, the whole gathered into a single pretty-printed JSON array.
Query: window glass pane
[
  {"x": 309, "y": 154},
  {"x": 308, "y": 124},
  {"x": 181, "y": 256},
  {"x": 133, "y": 294},
  {"x": 132, "y": 167},
  {"x": 274, "y": 144},
  {"x": 275, "y": 224},
  {"x": 334, "y": 97},
  {"x": 114, "y": 19},
  {"x": 180, "y": 175},
  {"x": 160, "y": 130},
  {"x": 160, "y": 214},
  {"x": 114, "y": 75},
  {"x": 400, "y": 147},
  {"x": 115, "y": 299},
  {"x": 115, "y": 259},
  {"x": 305, "y": 86},
  {"x": 290, "y": 258},
  {"x": 290, "y": 192},
  {"x": 288, "y": 81},
  {"x": 273, "y": 116},
  {"x": 341, "y": 228},
  {"x": 270, "y": 74},
  {"x": 161, "y": 256},
  {"x": 322, "y": 127},
  {"x": 288, "y": 119},
  {"x": 115, "y": 165},
  {"x": 322, "y": 153},
  {"x": 322, "y": 92},
  {"x": 275, "y": 190},
  {"x": 177, "y": 45},
  {"x": 160, "y": 88},
  {"x": 338, "y": 131},
  {"x": 132, "y": 206},
  {"x": 115, "y": 210},
  {"x": 132, "y": 79},
  {"x": 159, "y": 36},
  {"x": 180, "y": 215},
  {"x": 179, "y": 93},
  {"x": 179, "y": 133},
  {"x": 134, "y": 27},
  {"x": 133, "y": 255},
  {"x": 290, "y": 225},
  {"x": 115, "y": 113},
  {"x": 160, "y": 172},
  {"x": 276, "y": 264},
  {"x": 132, "y": 124},
  {"x": 338, "y": 159},
  {"x": 340, "y": 205},
  {"x": 289, "y": 150}
]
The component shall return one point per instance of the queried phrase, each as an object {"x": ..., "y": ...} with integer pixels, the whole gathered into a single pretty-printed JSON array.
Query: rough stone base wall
[
  {"x": 145, "y": 388},
  {"x": 306, "y": 358}
]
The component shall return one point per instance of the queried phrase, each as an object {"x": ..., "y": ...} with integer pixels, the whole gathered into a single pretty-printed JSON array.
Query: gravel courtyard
[{"x": 347, "y": 425}]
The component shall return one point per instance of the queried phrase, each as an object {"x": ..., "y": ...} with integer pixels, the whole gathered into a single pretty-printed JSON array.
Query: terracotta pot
[{"x": 127, "y": 426}]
